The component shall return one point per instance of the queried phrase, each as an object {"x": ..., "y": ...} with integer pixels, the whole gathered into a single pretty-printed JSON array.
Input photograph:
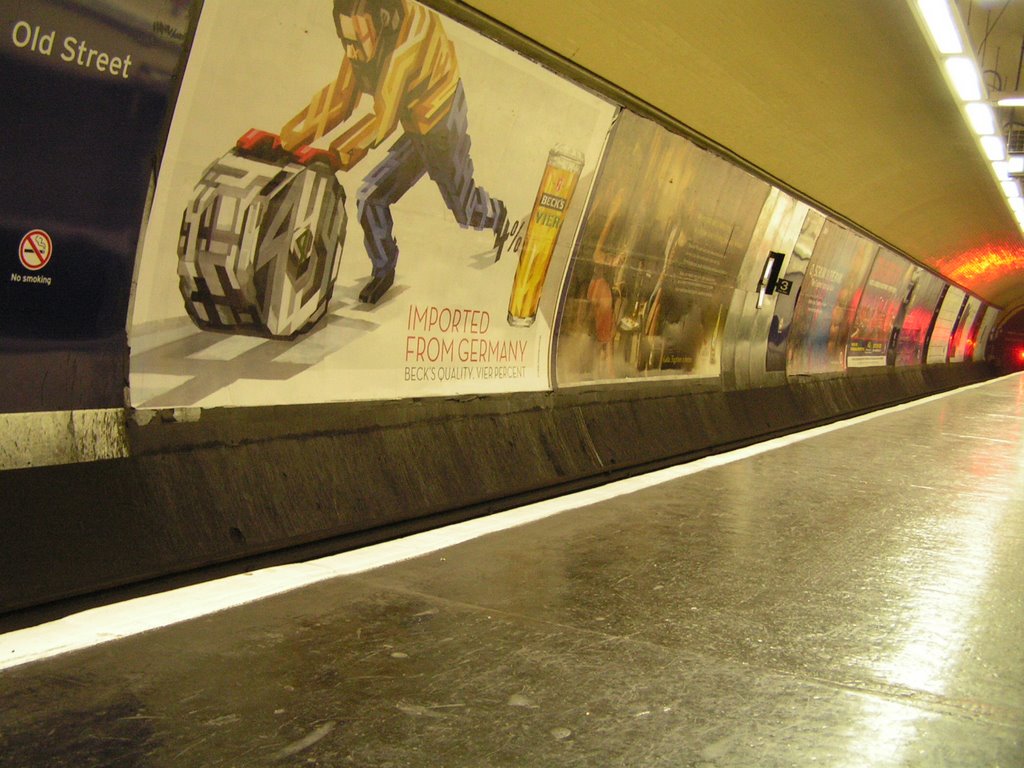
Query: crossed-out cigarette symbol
[{"x": 35, "y": 250}]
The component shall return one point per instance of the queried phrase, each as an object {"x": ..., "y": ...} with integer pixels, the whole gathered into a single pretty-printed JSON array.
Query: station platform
[{"x": 852, "y": 596}]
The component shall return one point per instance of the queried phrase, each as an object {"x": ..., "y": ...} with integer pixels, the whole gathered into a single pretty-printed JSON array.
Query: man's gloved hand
[
  {"x": 308, "y": 155},
  {"x": 264, "y": 145},
  {"x": 261, "y": 144}
]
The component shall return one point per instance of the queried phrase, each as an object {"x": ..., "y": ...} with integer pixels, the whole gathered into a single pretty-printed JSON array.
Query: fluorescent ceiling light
[
  {"x": 1016, "y": 163},
  {"x": 1011, "y": 188},
  {"x": 1002, "y": 169},
  {"x": 941, "y": 25},
  {"x": 1017, "y": 203},
  {"x": 994, "y": 148},
  {"x": 983, "y": 119},
  {"x": 963, "y": 72},
  {"x": 1011, "y": 100}
]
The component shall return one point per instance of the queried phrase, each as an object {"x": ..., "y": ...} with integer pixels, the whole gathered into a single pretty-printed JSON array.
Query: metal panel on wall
[
  {"x": 753, "y": 314},
  {"x": 84, "y": 88},
  {"x": 988, "y": 322},
  {"x": 971, "y": 342},
  {"x": 828, "y": 300},
  {"x": 945, "y": 321},
  {"x": 966, "y": 330},
  {"x": 656, "y": 261},
  {"x": 359, "y": 239},
  {"x": 785, "y": 304},
  {"x": 920, "y": 305}
]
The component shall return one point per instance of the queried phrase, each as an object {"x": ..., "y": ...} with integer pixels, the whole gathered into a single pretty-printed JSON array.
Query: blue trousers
[{"x": 442, "y": 154}]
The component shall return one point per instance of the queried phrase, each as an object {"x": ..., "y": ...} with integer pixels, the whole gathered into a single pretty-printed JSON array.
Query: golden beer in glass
[{"x": 561, "y": 175}]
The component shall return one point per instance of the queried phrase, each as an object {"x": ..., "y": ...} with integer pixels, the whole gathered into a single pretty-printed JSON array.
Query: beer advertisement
[
  {"x": 877, "y": 310},
  {"x": 829, "y": 296},
  {"x": 359, "y": 200},
  {"x": 656, "y": 260},
  {"x": 85, "y": 90}
]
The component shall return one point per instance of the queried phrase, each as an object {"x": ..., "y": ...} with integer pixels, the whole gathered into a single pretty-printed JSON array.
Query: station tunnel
[{"x": 492, "y": 383}]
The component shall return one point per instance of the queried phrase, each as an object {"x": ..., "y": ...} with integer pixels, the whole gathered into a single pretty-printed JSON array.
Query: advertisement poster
[
  {"x": 945, "y": 322},
  {"x": 965, "y": 331},
  {"x": 829, "y": 296},
  {"x": 988, "y": 322},
  {"x": 785, "y": 303},
  {"x": 84, "y": 88},
  {"x": 877, "y": 312},
  {"x": 924, "y": 294},
  {"x": 972, "y": 341},
  {"x": 656, "y": 260},
  {"x": 342, "y": 208}
]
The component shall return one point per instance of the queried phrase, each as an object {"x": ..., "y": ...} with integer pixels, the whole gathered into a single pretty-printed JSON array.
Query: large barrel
[{"x": 261, "y": 243}]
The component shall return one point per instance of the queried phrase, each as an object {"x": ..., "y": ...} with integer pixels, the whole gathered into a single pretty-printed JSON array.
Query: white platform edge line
[{"x": 131, "y": 617}]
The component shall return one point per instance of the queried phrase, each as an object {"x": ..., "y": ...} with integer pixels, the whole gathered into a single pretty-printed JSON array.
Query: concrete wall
[{"x": 230, "y": 484}]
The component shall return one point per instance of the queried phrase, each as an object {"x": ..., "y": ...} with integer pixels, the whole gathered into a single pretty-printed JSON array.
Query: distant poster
[
  {"x": 945, "y": 322},
  {"x": 657, "y": 259},
  {"x": 828, "y": 300},
  {"x": 785, "y": 304},
  {"x": 84, "y": 88},
  {"x": 988, "y": 322},
  {"x": 974, "y": 333},
  {"x": 343, "y": 205},
  {"x": 878, "y": 309},
  {"x": 965, "y": 331},
  {"x": 919, "y": 307}
]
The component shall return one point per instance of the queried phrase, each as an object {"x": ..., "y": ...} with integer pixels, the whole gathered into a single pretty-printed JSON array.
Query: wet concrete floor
[{"x": 855, "y": 599}]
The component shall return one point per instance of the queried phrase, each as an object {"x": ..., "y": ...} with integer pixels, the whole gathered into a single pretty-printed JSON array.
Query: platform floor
[{"x": 854, "y": 599}]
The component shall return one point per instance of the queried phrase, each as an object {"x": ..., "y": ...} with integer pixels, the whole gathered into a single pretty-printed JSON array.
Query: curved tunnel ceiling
[{"x": 841, "y": 101}]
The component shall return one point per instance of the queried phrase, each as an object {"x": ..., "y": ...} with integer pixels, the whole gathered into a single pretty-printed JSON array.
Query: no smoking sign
[{"x": 35, "y": 250}]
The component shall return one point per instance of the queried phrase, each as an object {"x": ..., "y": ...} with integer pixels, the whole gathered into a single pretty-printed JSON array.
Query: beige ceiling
[{"x": 841, "y": 100}]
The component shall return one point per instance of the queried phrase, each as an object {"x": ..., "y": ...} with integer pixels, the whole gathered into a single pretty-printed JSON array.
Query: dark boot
[{"x": 376, "y": 288}]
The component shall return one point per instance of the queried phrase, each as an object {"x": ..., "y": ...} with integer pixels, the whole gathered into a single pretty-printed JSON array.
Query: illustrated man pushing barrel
[{"x": 396, "y": 51}]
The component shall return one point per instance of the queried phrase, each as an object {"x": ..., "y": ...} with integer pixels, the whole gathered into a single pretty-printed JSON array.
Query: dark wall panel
[{"x": 235, "y": 484}]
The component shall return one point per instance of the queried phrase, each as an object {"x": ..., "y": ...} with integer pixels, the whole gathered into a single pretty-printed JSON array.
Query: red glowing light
[{"x": 985, "y": 264}]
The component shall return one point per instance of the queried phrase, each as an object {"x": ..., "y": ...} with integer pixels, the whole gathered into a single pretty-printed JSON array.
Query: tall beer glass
[{"x": 556, "y": 188}]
